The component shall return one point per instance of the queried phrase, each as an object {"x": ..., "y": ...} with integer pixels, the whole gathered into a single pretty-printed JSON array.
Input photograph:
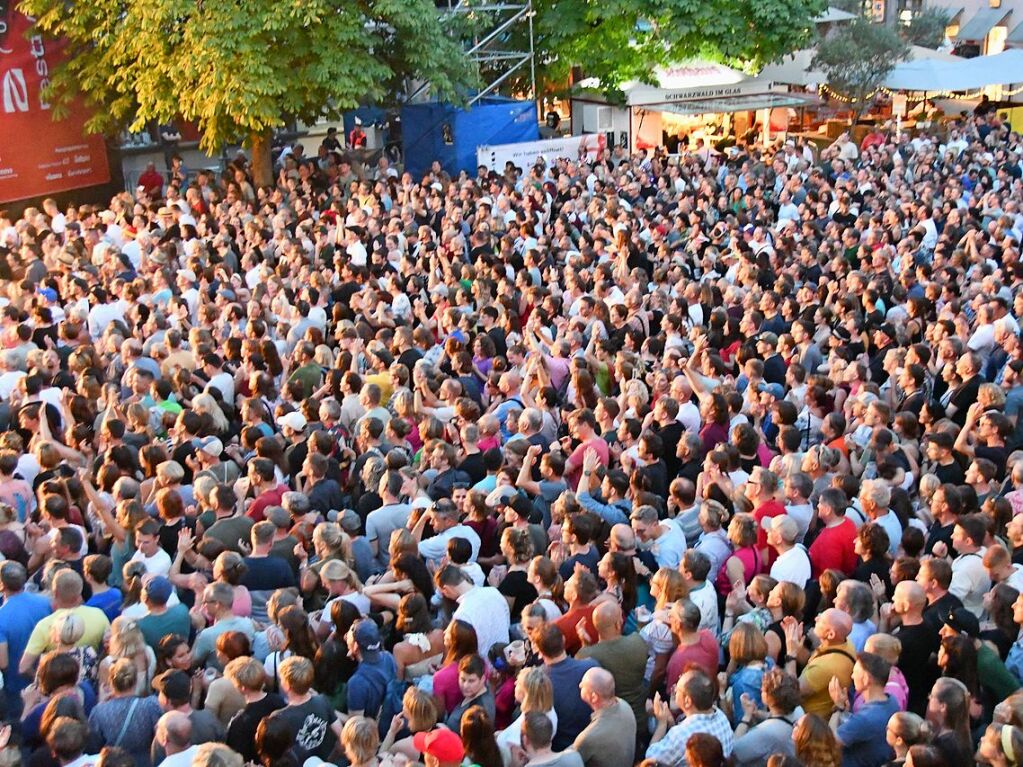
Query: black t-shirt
[
  {"x": 473, "y": 466},
  {"x": 919, "y": 643},
  {"x": 310, "y": 722},
  {"x": 516, "y": 585},
  {"x": 879, "y": 567},
  {"x": 939, "y": 533},
  {"x": 964, "y": 396},
  {"x": 241, "y": 730},
  {"x": 952, "y": 473},
  {"x": 410, "y": 357},
  {"x": 997, "y": 456},
  {"x": 267, "y": 574}
]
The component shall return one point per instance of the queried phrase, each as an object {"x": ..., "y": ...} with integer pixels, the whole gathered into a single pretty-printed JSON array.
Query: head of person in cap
[
  {"x": 363, "y": 640},
  {"x": 958, "y": 621},
  {"x": 157, "y": 591},
  {"x": 292, "y": 424},
  {"x": 440, "y": 748}
]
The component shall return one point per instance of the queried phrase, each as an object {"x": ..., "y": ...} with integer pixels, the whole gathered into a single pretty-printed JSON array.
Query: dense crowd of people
[{"x": 689, "y": 460}]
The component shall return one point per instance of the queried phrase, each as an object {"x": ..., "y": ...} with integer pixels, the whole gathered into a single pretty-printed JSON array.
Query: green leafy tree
[
  {"x": 621, "y": 40},
  {"x": 927, "y": 28},
  {"x": 239, "y": 70},
  {"x": 857, "y": 56}
]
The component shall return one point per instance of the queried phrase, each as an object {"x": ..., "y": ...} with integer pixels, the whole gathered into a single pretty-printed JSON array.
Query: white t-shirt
[
  {"x": 158, "y": 564},
  {"x": 792, "y": 566}
]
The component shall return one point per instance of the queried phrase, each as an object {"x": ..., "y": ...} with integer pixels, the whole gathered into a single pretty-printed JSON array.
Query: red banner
[{"x": 38, "y": 156}]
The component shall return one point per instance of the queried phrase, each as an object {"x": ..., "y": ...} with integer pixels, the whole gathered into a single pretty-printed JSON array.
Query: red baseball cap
[{"x": 441, "y": 743}]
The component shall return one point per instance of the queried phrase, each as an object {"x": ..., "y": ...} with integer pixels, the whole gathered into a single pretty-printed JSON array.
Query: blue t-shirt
[
  {"x": 588, "y": 558},
  {"x": 863, "y": 734},
  {"x": 18, "y": 617},
  {"x": 108, "y": 601},
  {"x": 368, "y": 685},
  {"x": 573, "y": 712}
]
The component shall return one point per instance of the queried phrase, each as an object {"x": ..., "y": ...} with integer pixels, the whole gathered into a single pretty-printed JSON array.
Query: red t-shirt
[
  {"x": 603, "y": 455},
  {"x": 266, "y": 500},
  {"x": 703, "y": 655},
  {"x": 770, "y": 509},
  {"x": 567, "y": 623},
  {"x": 833, "y": 549}
]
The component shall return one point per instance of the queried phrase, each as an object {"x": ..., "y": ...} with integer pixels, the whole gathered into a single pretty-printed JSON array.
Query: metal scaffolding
[{"x": 495, "y": 46}]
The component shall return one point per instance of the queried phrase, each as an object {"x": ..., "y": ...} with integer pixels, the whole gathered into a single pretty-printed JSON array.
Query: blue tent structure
[{"x": 436, "y": 131}]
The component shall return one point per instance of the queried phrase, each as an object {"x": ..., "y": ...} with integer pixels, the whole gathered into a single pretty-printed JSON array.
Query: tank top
[{"x": 752, "y": 565}]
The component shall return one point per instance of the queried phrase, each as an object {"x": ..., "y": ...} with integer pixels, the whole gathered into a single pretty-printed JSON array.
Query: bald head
[
  {"x": 622, "y": 538},
  {"x": 607, "y": 619},
  {"x": 598, "y": 682},
  {"x": 836, "y": 622},
  {"x": 174, "y": 731},
  {"x": 910, "y": 592}
]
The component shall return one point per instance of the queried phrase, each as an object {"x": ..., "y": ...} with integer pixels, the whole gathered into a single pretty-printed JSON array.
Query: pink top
[
  {"x": 487, "y": 443},
  {"x": 603, "y": 455},
  {"x": 445, "y": 687},
  {"x": 897, "y": 687},
  {"x": 242, "y": 605},
  {"x": 752, "y": 565}
]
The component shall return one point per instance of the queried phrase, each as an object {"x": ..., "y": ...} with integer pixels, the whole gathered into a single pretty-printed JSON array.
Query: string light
[{"x": 828, "y": 92}]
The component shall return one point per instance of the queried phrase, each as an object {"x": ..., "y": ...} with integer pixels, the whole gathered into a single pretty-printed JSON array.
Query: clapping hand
[
  {"x": 662, "y": 711},
  {"x": 839, "y": 694},
  {"x": 793, "y": 630},
  {"x": 749, "y": 706},
  {"x": 877, "y": 586}
]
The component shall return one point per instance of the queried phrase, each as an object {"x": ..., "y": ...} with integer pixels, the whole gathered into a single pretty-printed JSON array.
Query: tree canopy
[
  {"x": 242, "y": 69},
  {"x": 856, "y": 56},
  {"x": 927, "y": 27},
  {"x": 620, "y": 40}
]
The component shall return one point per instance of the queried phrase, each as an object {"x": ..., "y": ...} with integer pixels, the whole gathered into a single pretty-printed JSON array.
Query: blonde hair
[
  {"x": 245, "y": 674},
  {"x": 336, "y": 542},
  {"x": 420, "y": 708},
  {"x": 324, "y": 356},
  {"x": 297, "y": 673},
  {"x": 885, "y": 645},
  {"x": 336, "y": 570},
  {"x": 538, "y": 693},
  {"x": 360, "y": 739},
  {"x": 67, "y": 629},
  {"x": 672, "y": 584},
  {"x": 205, "y": 404},
  {"x": 747, "y": 644},
  {"x": 126, "y": 639},
  {"x": 124, "y": 676}
]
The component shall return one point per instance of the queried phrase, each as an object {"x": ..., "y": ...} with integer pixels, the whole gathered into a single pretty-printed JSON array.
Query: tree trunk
[{"x": 262, "y": 166}]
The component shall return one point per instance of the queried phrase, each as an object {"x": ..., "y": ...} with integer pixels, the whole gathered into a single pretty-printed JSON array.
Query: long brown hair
[{"x": 815, "y": 743}]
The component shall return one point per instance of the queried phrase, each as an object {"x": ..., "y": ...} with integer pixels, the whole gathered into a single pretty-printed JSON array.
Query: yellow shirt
[
  {"x": 96, "y": 624},
  {"x": 822, "y": 666},
  {"x": 383, "y": 380}
]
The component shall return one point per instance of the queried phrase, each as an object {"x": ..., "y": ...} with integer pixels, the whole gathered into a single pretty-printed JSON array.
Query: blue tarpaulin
[{"x": 443, "y": 132}]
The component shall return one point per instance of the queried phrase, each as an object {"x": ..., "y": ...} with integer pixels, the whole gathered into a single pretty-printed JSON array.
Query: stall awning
[
  {"x": 982, "y": 23},
  {"x": 741, "y": 103},
  {"x": 1016, "y": 35},
  {"x": 1003, "y": 68}
]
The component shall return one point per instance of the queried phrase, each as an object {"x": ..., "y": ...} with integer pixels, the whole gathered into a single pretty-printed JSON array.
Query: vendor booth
[{"x": 687, "y": 102}]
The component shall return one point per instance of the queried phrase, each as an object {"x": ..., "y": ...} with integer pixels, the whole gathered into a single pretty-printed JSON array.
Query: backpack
[{"x": 392, "y": 704}]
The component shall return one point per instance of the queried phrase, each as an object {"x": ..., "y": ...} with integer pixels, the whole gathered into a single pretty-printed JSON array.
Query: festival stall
[{"x": 685, "y": 103}]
